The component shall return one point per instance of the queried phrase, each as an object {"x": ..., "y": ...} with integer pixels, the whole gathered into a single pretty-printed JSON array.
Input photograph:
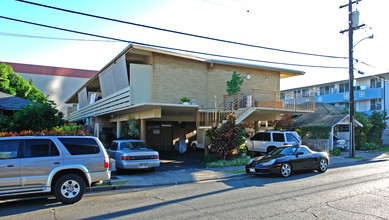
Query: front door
[{"x": 9, "y": 164}]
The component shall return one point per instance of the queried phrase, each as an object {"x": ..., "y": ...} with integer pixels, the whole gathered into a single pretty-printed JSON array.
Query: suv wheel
[{"x": 69, "y": 188}]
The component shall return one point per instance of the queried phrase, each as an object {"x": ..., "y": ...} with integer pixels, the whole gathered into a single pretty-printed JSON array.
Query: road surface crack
[
  {"x": 353, "y": 212},
  {"x": 52, "y": 210},
  {"x": 154, "y": 197}
]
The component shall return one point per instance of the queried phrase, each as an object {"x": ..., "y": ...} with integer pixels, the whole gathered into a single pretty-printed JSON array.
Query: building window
[
  {"x": 375, "y": 104},
  {"x": 306, "y": 93},
  {"x": 375, "y": 83},
  {"x": 325, "y": 90},
  {"x": 322, "y": 90},
  {"x": 343, "y": 128},
  {"x": 344, "y": 87}
]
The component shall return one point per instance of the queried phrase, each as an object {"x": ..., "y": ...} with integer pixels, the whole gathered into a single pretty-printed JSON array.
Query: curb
[{"x": 340, "y": 163}]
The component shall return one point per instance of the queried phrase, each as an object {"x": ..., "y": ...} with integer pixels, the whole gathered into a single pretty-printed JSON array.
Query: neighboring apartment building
[
  {"x": 371, "y": 93},
  {"x": 55, "y": 82},
  {"x": 147, "y": 84}
]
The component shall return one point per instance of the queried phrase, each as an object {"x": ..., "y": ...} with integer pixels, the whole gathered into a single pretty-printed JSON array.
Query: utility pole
[{"x": 351, "y": 28}]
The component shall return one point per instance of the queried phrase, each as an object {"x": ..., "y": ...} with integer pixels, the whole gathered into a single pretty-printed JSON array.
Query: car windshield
[
  {"x": 138, "y": 145},
  {"x": 283, "y": 151}
]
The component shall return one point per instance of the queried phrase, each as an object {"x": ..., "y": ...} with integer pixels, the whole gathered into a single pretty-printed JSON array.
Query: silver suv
[
  {"x": 266, "y": 141},
  {"x": 61, "y": 165}
]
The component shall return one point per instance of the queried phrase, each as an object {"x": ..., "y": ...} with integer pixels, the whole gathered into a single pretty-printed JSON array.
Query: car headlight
[{"x": 269, "y": 163}]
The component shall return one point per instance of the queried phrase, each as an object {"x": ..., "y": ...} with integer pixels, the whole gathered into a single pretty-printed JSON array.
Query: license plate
[
  {"x": 143, "y": 165},
  {"x": 252, "y": 170}
]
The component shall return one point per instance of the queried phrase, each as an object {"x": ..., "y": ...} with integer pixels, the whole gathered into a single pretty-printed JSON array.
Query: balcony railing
[
  {"x": 269, "y": 100},
  {"x": 244, "y": 104},
  {"x": 207, "y": 117},
  {"x": 115, "y": 102}
]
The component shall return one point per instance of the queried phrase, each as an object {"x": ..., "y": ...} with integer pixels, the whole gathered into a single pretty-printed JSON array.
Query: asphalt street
[{"x": 358, "y": 191}]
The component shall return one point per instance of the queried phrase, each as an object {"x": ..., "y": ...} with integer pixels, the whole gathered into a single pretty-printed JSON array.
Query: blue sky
[{"x": 301, "y": 25}]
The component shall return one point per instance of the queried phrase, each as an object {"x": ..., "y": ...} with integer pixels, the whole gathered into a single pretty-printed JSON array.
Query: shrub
[
  {"x": 226, "y": 139},
  {"x": 185, "y": 99},
  {"x": 239, "y": 161},
  {"x": 33, "y": 117},
  {"x": 335, "y": 152},
  {"x": 315, "y": 132},
  {"x": 55, "y": 131}
]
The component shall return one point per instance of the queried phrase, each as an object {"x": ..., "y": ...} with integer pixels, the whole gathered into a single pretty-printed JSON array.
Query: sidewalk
[{"x": 191, "y": 175}]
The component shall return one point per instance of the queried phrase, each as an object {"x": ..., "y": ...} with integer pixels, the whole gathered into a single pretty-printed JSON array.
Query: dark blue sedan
[{"x": 287, "y": 159}]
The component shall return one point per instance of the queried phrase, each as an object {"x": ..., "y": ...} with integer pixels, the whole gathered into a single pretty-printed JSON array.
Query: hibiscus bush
[{"x": 226, "y": 138}]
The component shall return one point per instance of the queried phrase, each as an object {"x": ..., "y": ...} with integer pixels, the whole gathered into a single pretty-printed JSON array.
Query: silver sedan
[{"x": 133, "y": 154}]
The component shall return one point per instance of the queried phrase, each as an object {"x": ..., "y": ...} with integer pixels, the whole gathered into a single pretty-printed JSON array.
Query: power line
[
  {"x": 167, "y": 48},
  {"x": 110, "y": 41},
  {"x": 54, "y": 38},
  {"x": 178, "y": 32}
]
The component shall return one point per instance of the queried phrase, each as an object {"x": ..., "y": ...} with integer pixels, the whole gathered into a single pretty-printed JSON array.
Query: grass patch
[
  {"x": 335, "y": 152},
  {"x": 211, "y": 162},
  {"x": 380, "y": 149},
  {"x": 359, "y": 157},
  {"x": 235, "y": 171}
]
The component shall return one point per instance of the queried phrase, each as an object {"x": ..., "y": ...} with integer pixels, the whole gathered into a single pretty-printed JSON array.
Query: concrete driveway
[{"x": 176, "y": 161}]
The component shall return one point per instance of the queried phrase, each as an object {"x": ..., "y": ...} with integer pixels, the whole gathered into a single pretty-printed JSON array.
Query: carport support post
[
  {"x": 143, "y": 129},
  {"x": 118, "y": 127},
  {"x": 256, "y": 127}
]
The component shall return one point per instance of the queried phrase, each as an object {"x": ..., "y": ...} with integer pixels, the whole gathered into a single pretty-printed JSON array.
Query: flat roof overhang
[{"x": 156, "y": 112}]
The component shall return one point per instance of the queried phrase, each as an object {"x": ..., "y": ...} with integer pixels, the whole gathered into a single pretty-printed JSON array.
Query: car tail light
[
  {"x": 156, "y": 156},
  {"x": 337, "y": 143},
  {"x": 285, "y": 144},
  {"x": 106, "y": 162},
  {"x": 126, "y": 158}
]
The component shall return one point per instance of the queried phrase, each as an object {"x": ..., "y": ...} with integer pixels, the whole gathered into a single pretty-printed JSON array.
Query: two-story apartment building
[
  {"x": 371, "y": 93},
  {"x": 147, "y": 83}
]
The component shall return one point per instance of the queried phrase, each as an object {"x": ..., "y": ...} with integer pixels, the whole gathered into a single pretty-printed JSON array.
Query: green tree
[
  {"x": 233, "y": 85},
  {"x": 378, "y": 120},
  {"x": 13, "y": 84},
  {"x": 362, "y": 132},
  {"x": 226, "y": 139},
  {"x": 34, "y": 117}
]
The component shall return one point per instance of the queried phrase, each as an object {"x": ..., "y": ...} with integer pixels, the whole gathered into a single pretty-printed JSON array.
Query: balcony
[
  {"x": 359, "y": 95},
  {"x": 243, "y": 105},
  {"x": 112, "y": 103}
]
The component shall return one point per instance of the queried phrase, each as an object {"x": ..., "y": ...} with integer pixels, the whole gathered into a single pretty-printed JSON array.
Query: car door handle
[
  {"x": 10, "y": 165},
  {"x": 57, "y": 162}
]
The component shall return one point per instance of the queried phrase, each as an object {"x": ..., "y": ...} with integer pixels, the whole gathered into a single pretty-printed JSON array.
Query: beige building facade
[{"x": 147, "y": 84}]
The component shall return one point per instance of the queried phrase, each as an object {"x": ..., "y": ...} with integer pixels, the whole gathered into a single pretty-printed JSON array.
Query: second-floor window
[
  {"x": 344, "y": 87},
  {"x": 325, "y": 90},
  {"x": 375, "y": 83}
]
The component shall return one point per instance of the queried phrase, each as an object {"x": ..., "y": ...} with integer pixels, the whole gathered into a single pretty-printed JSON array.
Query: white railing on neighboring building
[{"x": 115, "y": 102}]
